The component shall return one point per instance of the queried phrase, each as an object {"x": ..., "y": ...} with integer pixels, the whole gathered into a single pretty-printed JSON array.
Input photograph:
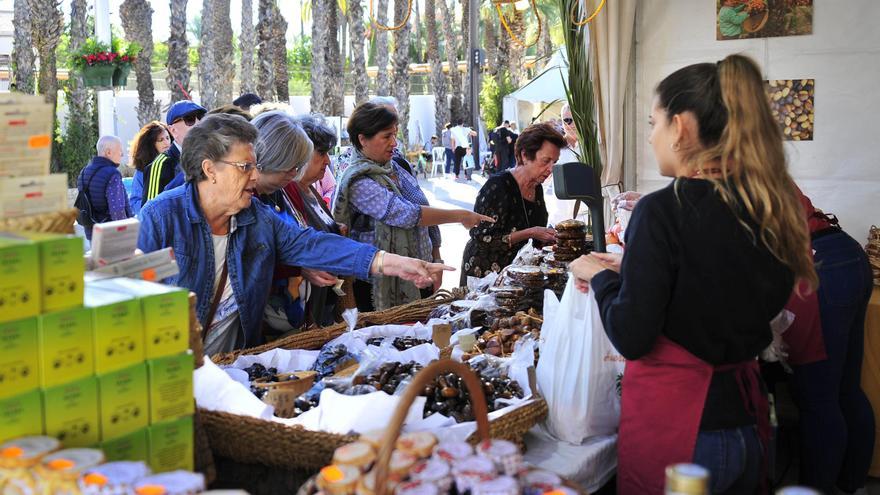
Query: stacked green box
[
  {"x": 171, "y": 387},
  {"x": 171, "y": 445},
  {"x": 67, "y": 348},
  {"x": 131, "y": 447},
  {"x": 61, "y": 269},
  {"x": 123, "y": 401},
  {"x": 118, "y": 330},
  {"x": 71, "y": 412},
  {"x": 21, "y": 415},
  {"x": 19, "y": 285},
  {"x": 19, "y": 357}
]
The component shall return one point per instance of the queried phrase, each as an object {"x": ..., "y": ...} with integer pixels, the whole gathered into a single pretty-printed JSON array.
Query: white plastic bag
[{"x": 578, "y": 370}]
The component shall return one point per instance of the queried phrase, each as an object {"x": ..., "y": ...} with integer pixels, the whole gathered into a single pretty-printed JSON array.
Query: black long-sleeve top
[{"x": 693, "y": 273}]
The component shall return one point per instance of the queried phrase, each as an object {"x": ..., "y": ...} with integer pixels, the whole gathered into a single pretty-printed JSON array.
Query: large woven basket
[
  {"x": 57, "y": 222},
  {"x": 255, "y": 441},
  {"x": 317, "y": 337}
]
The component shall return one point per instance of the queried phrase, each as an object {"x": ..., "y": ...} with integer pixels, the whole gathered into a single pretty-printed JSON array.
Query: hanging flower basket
[
  {"x": 98, "y": 76},
  {"x": 120, "y": 75}
]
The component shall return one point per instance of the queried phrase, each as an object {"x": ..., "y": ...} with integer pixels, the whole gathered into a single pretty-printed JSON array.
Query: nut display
[
  {"x": 331, "y": 359},
  {"x": 399, "y": 343},
  {"x": 792, "y": 104},
  {"x": 504, "y": 333},
  {"x": 388, "y": 376}
]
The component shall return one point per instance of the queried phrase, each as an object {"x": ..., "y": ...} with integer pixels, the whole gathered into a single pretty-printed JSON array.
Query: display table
[
  {"x": 871, "y": 371},
  {"x": 590, "y": 465}
]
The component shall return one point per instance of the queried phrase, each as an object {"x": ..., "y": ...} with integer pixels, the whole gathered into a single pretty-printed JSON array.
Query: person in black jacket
[
  {"x": 101, "y": 182},
  {"x": 710, "y": 260},
  {"x": 165, "y": 172}
]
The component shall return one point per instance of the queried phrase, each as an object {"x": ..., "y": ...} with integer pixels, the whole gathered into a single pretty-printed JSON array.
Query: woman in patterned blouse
[
  {"x": 382, "y": 204},
  {"x": 515, "y": 200}
]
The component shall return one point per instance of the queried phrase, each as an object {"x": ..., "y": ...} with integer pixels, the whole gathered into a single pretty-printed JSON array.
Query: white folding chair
[{"x": 438, "y": 159}]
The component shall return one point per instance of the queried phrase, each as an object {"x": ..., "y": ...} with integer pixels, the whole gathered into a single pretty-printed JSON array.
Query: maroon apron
[{"x": 661, "y": 408}]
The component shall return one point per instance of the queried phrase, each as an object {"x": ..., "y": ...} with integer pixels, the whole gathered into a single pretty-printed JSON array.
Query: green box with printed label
[
  {"x": 71, "y": 412},
  {"x": 19, "y": 357},
  {"x": 165, "y": 310},
  {"x": 19, "y": 280},
  {"x": 21, "y": 415},
  {"x": 171, "y": 445},
  {"x": 171, "y": 387},
  {"x": 61, "y": 269},
  {"x": 123, "y": 401},
  {"x": 67, "y": 348},
  {"x": 118, "y": 329},
  {"x": 131, "y": 447}
]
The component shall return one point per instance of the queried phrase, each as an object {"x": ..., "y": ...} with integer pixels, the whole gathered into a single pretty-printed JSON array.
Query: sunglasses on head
[
  {"x": 568, "y": 120},
  {"x": 190, "y": 120}
]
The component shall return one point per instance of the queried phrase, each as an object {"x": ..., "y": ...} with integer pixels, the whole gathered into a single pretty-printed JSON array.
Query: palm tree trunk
[
  {"x": 319, "y": 68},
  {"x": 466, "y": 48},
  {"x": 137, "y": 16},
  {"x": 335, "y": 83},
  {"x": 224, "y": 61},
  {"x": 516, "y": 21},
  {"x": 280, "y": 58},
  {"x": 383, "y": 82},
  {"x": 358, "y": 60},
  {"x": 209, "y": 72},
  {"x": 47, "y": 24},
  {"x": 400, "y": 77},
  {"x": 455, "y": 111},
  {"x": 23, "y": 60},
  {"x": 265, "y": 64},
  {"x": 417, "y": 32},
  {"x": 76, "y": 94},
  {"x": 490, "y": 27},
  {"x": 545, "y": 44},
  {"x": 178, "y": 77},
  {"x": 247, "y": 44},
  {"x": 438, "y": 82}
]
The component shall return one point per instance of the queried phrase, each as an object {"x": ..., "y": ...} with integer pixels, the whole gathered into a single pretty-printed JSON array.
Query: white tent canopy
[{"x": 547, "y": 86}]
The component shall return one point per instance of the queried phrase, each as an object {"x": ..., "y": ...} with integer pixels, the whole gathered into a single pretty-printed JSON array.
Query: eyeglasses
[
  {"x": 568, "y": 120},
  {"x": 190, "y": 120},
  {"x": 245, "y": 167}
]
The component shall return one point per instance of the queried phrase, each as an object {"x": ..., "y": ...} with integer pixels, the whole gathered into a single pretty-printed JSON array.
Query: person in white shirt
[{"x": 461, "y": 135}]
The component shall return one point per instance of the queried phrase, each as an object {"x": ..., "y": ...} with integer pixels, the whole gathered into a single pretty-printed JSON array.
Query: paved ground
[{"x": 448, "y": 193}]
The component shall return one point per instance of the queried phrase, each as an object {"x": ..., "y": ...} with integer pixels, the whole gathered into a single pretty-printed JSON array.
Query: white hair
[
  {"x": 564, "y": 108},
  {"x": 106, "y": 142}
]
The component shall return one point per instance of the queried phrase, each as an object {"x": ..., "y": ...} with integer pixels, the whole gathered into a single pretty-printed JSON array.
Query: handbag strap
[{"x": 218, "y": 293}]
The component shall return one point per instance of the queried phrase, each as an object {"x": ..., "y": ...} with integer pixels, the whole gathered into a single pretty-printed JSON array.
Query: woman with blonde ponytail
[{"x": 710, "y": 260}]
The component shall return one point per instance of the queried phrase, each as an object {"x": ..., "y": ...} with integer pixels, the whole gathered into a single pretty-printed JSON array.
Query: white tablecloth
[{"x": 590, "y": 465}]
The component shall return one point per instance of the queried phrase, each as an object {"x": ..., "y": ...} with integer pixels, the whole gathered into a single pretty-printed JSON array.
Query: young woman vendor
[{"x": 710, "y": 260}]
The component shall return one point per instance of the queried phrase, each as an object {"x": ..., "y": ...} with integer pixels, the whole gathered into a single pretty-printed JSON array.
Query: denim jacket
[{"x": 261, "y": 239}]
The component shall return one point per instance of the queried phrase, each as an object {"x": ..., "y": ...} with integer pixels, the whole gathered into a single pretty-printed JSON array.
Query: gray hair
[
  {"x": 105, "y": 142},
  {"x": 322, "y": 134},
  {"x": 212, "y": 139},
  {"x": 268, "y": 106},
  {"x": 281, "y": 142},
  {"x": 388, "y": 101}
]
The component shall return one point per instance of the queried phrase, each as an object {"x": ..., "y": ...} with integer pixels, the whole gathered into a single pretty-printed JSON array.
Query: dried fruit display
[{"x": 792, "y": 103}]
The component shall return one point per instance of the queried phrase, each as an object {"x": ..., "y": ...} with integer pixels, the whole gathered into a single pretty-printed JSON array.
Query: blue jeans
[
  {"x": 450, "y": 158},
  {"x": 836, "y": 419},
  {"x": 733, "y": 457}
]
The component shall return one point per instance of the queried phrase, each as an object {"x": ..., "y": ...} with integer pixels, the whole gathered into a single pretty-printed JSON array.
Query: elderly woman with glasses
[{"x": 227, "y": 243}]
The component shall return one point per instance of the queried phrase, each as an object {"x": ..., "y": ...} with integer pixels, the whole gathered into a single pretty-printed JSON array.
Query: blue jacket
[
  {"x": 260, "y": 240},
  {"x": 136, "y": 198},
  {"x": 104, "y": 184}
]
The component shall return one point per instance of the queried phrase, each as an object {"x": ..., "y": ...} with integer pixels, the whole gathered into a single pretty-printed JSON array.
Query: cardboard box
[
  {"x": 19, "y": 283},
  {"x": 21, "y": 415},
  {"x": 123, "y": 401},
  {"x": 171, "y": 387},
  {"x": 131, "y": 447},
  {"x": 67, "y": 347},
  {"x": 118, "y": 329},
  {"x": 171, "y": 445},
  {"x": 154, "y": 266},
  {"x": 71, "y": 412},
  {"x": 61, "y": 269},
  {"x": 165, "y": 312},
  {"x": 114, "y": 241},
  {"x": 26, "y": 135},
  {"x": 32, "y": 195},
  {"x": 19, "y": 357}
]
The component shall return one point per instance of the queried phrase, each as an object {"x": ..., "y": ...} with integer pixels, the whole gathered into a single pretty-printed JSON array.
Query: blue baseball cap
[{"x": 182, "y": 109}]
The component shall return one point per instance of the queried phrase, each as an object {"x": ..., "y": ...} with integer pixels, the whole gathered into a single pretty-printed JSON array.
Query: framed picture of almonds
[{"x": 792, "y": 103}]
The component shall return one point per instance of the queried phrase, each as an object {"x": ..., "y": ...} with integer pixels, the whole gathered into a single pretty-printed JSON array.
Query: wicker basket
[
  {"x": 316, "y": 338},
  {"x": 57, "y": 222}
]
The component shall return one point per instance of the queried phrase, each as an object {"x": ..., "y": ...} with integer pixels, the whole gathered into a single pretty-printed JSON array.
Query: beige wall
[{"x": 840, "y": 169}]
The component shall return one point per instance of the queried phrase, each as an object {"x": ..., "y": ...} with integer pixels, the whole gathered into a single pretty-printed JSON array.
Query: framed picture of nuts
[
  {"x": 792, "y": 103},
  {"x": 739, "y": 19}
]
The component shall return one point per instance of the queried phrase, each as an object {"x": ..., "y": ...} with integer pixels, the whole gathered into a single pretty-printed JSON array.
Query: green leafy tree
[{"x": 492, "y": 94}]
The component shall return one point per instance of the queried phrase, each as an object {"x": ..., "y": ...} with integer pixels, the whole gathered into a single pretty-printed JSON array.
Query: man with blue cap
[{"x": 165, "y": 173}]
